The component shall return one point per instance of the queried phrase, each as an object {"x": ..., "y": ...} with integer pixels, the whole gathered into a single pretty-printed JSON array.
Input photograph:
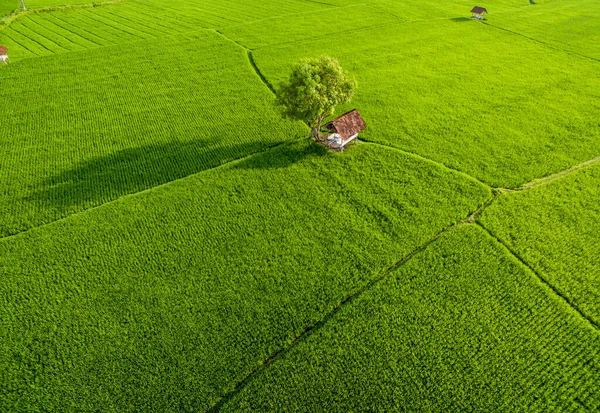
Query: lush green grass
[
  {"x": 65, "y": 31},
  {"x": 463, "y": 326},
  {"x": 567, "y": 24},
  {"x": 164, "y": 300},
  {"x": 74, "y": 29},
  {"x": 8, "y": 6},
  {"x": 83, "y": 129},
  {"x": 497, "y": 106},
  {"x": 169, "y": 277},
  {"x": 37, "y": 4},
  {"x": 556, "y": 229},
  {"x": 458, "y": 10},
  {"x": 280, "y": 30}
]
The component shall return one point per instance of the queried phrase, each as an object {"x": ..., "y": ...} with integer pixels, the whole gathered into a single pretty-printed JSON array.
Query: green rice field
[{"x": 170, "y": 243}]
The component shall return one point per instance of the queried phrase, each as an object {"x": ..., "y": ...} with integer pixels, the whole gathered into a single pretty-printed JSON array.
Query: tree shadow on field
[
  {"x": 284, "y": 156},
  {"x": 460, "y": 19},
  {"x": 99, "y": 180}
]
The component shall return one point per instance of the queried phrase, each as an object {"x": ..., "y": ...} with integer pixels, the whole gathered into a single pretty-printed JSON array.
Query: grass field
[
  {"x": 449, "y": 331},
  {"x": 92, "y": 129},
  {"x": 555, "y": 228},
  {"x": 7, "y": 7},
  {"x": 569, "y": 25},
  {"x": 241, "y": 258},
  {"x": 169, "y": 243},
  {"x": 469, "y": 104},
  {"x": 70, "y": 29}
]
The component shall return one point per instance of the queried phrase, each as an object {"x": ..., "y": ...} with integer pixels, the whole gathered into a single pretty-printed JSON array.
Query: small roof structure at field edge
[
  {"x": 344, "y": 129},
  {"x": 3, "y": 54},
  {"x": 478, "y": 12}
]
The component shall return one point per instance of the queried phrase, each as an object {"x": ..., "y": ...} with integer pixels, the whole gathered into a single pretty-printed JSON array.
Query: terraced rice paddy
[{"x": 169, "y": 243}]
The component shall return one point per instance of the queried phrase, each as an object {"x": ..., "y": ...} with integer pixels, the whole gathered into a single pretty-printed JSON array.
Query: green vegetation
[
  {"x": 7, "y": 7},
  {"x": 455, "y": 10},
  {"x": 494, "y": 112},
  {"x": 463, "y": 326},
  {"x": 566, "y": 24},
  {"x": 38, "y": 4},
  {"x": 166, "y": 299},
  {"x": 62, "y": 31},
  {"x": 84, "y": 129},
  {"x": 315, "y": 87},
  {"x": 169, "y": 243},
  {"x": 555, "y": 228}
]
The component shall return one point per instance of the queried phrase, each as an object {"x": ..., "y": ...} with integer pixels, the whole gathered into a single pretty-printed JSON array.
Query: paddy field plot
[
  {"x": 71, "y": 29},
  {"x": 573, "y": 26},
  {"x": 83, "y": 129},
  {"x": 427, "y": 352},
  {"x": 454, "y": 92},
  {"x": 169, "y": 243},
  {"x": 167, "y": 299},
  {"x": 555, "y": 228},
  {"x": 463, "y": 326}
]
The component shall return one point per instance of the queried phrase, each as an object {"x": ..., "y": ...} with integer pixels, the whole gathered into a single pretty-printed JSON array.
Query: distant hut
[
  {"x": 478, "y": 13},
  {"x": 3, "y": 54},
  {"x": 344, "y": 129}
]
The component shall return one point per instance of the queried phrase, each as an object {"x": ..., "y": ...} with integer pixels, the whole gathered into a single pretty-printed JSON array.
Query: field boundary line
[
  {"x": 525, "y": 187},
  {"x": 423, "y": 158},
  {"x": 48, "y": 39},
  {"x": 28, "y": 18},
  {"x": 150, "y": 189},
  {"x": 323, "y": 3},
  {"x": 551, "y": 178},
  {"x": 8, "y": 20},
  {"x": 250, "y": 58},
  {"x": 36, "y": 41},
  {"x": 543, "y": 280},
  {"x": 19, "y": 43},
  {"x": 382, "y": 275},
  {"x": 549, "y": 45},
  {"x": 312, "y": 329}
]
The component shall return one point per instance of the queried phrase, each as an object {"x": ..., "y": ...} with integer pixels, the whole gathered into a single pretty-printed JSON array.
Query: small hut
[
  {"x": 478, "y": 13},
  {"x": 3, "y": 54},
  {"x": 344, "y": 129}
]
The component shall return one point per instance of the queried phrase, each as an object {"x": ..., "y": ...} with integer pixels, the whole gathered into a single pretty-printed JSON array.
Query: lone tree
[{"x": 313, "y": 90}]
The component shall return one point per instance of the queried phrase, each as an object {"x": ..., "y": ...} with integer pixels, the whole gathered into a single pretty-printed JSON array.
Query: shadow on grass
[
  {"x": 109, "y": 177},
  {"x": 460, "y": 19},
  {"x": 284, "y": 156}
]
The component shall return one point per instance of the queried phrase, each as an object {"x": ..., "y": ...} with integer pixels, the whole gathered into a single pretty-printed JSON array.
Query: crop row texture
[
  {"x": 87, "y": 128},
  {"x": 164, "y": 300},
  {"x": 556, "y": 229},
  {"x": 463, "y": 326}
]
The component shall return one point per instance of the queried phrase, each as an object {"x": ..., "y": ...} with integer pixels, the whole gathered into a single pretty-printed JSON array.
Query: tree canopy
[{"x": 315, "y": 87}]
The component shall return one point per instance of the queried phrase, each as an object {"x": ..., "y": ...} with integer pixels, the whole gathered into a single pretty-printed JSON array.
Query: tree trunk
[
  {"x": 314, "y": 132},
  {"x": 23, "y": 5},
  {"x": 316, "y": 129}
]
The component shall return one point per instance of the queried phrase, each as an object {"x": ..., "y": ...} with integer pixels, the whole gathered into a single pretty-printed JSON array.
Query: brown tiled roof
[
  {"x": 347, "y": 125},
  {"x": 478, "y": 10},
  {"x": 3, "y": 50}
]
